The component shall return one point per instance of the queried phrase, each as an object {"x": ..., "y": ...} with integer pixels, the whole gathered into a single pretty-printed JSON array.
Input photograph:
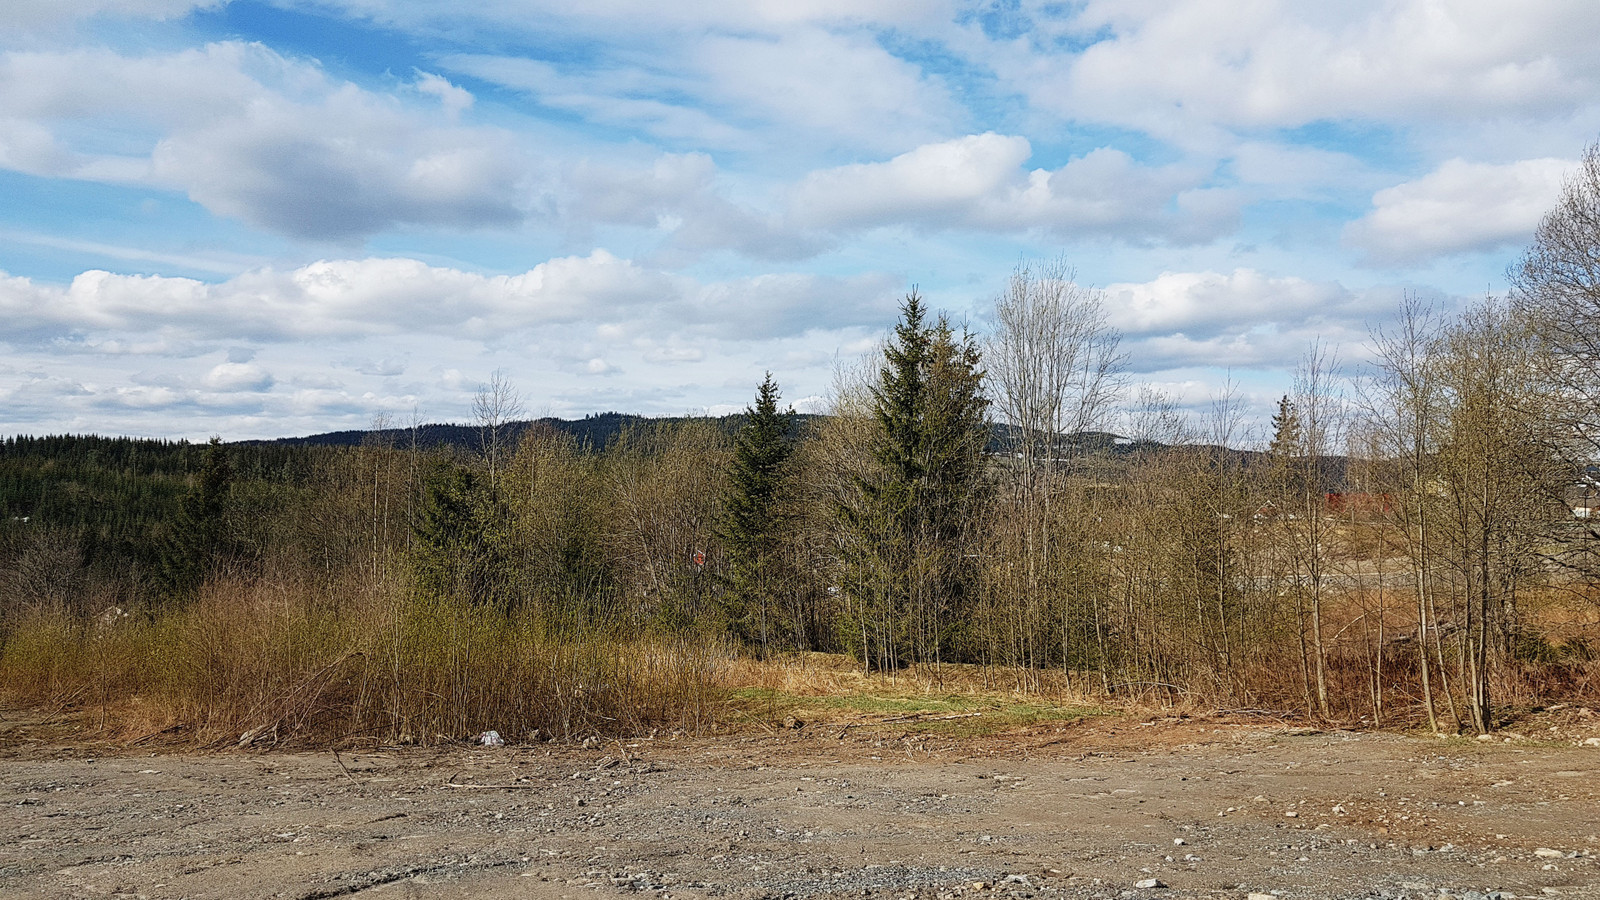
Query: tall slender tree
[{"x": 750, "y": 523}]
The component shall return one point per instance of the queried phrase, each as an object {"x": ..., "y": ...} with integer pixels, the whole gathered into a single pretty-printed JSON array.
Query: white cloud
[
  {"x": 1180, "y": 70},
  {"x": 28, "y": 14},
  {"x": 978, "y": 182},
  {"x": 1242, "y": 319},
  {"x": 1291, "y": 171},
  {"x": 742, "y": 91},
  {"x": 452, "y": 98},
  {"x": 815, "y": 83},
  {"x": 350, "y": 300},
  {"x": 679, "y": 196},
  {"x": 1458, "y": 207},
  {"x": 1204, "y": 302},
  {"x": 647, "y": 16},
  {"x": 231, "y": 376},
  {"x": 631, "y": 97},
  {"x": 255, "y": 136}
]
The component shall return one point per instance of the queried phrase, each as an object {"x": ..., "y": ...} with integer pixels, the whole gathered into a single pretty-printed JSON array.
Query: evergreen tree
[
  {"x": 1286, "y": 438},
  {"x": 907, "y": 563},
  {"x": 460, "y": 545},
  {"x": 200, "y": 541},
  {"x": 750, "y": 523}
]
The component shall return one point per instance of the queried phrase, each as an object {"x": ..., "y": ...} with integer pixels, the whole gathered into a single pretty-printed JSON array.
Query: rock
[
  {"x": 1547, "y": 853},
  {"x": 1149, "y": 883},
  {"x": 1592, "y": 742},
  {"x": 1178, "y": 842},
  {"x": 1259, "y": 895}
]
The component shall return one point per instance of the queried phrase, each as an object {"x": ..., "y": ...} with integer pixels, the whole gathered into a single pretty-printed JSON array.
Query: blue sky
[{"x": 273, "y": 217}]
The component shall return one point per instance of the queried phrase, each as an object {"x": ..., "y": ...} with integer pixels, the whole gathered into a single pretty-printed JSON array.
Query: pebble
[
  {"x": 1150, "y": 883},
  {"x": 1547, "y": 853}
]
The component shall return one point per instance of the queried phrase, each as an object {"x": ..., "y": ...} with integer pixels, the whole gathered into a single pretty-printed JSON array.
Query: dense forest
[{"x": 1407, "y": 544}]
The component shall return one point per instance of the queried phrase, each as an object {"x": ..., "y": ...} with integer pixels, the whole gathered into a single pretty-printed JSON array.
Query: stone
[{"x": 1149, "y": 883}]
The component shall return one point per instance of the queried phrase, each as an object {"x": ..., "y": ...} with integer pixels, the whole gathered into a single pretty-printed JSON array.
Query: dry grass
[
  {"x": 951, "y": 699},
  {"x": 268, "y": 664},
  {"x": 276, "y": 662}
]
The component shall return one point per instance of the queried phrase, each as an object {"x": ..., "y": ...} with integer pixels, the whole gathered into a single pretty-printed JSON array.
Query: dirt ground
[{"x": 1098, "y": 809}]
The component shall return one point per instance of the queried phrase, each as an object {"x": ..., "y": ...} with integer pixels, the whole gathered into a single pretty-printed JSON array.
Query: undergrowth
[{"x": 261, "y": 664}]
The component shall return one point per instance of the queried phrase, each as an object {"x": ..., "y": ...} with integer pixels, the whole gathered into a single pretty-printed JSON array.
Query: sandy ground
[{"x": 1207, "y": 808}]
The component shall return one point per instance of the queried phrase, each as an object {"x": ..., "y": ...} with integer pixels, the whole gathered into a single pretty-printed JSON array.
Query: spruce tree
[
  {"x": 1285, "y": 430},
  {"x": 750, "y": 524},
  {"x": 459, "y": 550},
  {"x": 200, "y": 541},
  {"x": 906, "y": 557}
]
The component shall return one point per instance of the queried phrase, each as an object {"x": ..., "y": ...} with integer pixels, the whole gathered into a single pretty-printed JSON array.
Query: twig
[
  {"x": 343, "y": 769},
  {"x": 920, "y": 717},
  {"x": 493, "y": 787}
]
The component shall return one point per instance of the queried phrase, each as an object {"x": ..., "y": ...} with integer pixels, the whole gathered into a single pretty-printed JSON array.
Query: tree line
[{"x": 1412, "y": 542}]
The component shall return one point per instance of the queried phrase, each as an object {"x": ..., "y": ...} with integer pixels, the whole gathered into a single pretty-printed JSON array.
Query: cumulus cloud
[
  {"x": 452, "y": 98},
  {"x": 1243, "y": 318},
  {"x": 1458, "y": 207},
  {"x": 1180, "y": 70},
  {"x": 256, "y": 136},
  {"x": 979, "y": 182},
  {"x": 230, "y": 377},
  {"x": 355, "y": 299}
]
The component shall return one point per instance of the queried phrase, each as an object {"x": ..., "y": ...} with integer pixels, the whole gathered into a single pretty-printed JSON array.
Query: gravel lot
[{"x": 1205, "y": 808}]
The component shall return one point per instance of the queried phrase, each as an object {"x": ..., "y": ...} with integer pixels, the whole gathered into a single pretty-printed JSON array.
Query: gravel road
[{"x": 1103, "y": 809}]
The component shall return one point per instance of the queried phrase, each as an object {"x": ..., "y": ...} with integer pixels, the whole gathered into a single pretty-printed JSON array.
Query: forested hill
[
  {"x": 115, "y": 500},
  {"x": 594, "y": 432},
  {"x": 597, "y": 431}
]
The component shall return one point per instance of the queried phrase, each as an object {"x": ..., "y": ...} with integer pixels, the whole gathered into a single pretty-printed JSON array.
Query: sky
[{"x": 265, "y": 218}]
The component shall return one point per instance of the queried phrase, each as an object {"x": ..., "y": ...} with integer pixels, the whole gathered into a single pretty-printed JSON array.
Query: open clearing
[{"x": 1208, "y": 807}]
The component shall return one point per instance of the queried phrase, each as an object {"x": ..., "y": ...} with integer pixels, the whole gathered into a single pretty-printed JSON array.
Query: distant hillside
[
  {"x": 597, "y": 431},
  {"x": 593, "y": 431}
]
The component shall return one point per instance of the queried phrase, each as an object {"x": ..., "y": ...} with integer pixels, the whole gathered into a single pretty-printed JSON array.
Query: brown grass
[
  {"x": 267, "y": 664},
  {"x": 276, "y": 662}
]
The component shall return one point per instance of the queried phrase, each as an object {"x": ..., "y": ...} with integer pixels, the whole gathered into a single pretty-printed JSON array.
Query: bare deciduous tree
[
  {"x": 1556, "y": 287},
  {"x": 1053, "y": 359},
  {"x": 494, "y": 406}
]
